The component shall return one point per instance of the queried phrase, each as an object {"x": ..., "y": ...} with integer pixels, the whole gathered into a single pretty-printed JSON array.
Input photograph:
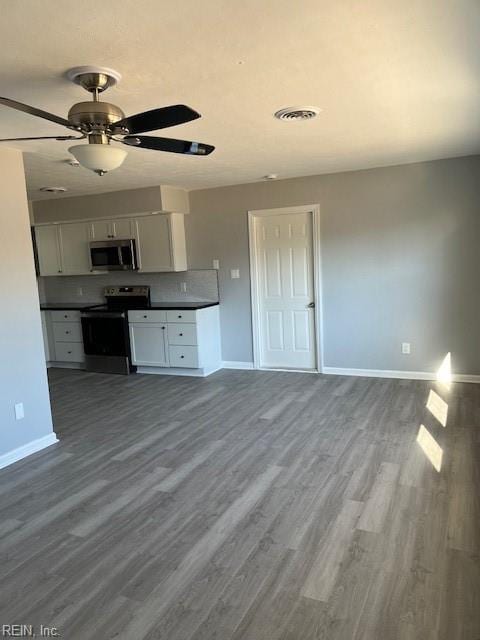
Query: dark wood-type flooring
[{"x": 248, "y": 506}]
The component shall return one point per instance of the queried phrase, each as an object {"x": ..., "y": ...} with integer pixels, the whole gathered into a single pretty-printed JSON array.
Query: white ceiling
[{"x": 397, "y": 82}]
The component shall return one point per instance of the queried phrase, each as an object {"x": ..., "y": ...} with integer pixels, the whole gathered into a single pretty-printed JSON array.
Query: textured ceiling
[{"x": 397, "y": 81}]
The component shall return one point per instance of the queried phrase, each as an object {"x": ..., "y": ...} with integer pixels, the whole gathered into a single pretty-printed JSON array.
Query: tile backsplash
[{"x": 164, "y": 287}]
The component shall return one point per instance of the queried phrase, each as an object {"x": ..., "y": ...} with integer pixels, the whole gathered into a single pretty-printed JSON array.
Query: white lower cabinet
[
  {"x": 176, "y": 341},
  {"x": 69, "y": 352},
  {"x": 67, "y": 332},
  {"x": 46, "y": 342},
  {"x": 148, "y": 344},
  {"x": 182, "y": 334},
  {"x": 63, "y": 331},
  {"x": 183, "y": 356}
]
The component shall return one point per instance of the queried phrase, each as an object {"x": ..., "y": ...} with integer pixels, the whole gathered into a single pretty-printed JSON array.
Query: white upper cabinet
[
  {"x": 48, "y": 249},
  {"x": 74, "y": 250},
  {"x": 100, "y": 230},
  {"x": 63, "y": 248},
  {"x": 161, "y": 243},
  {"x": 122, "y": 228}
]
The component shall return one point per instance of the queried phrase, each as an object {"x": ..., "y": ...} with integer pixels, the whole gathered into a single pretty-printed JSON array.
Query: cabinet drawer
[
  {"x": 69, "y": 352},
  {"x": 183, "y": 357},
  {"x": 67, "y": 331},
  {"x": 181, "y": 315},
  {"x": 65, "y": 316},
  {"x": 147, "y": 316},
  {"x": 182, "y": 333}
]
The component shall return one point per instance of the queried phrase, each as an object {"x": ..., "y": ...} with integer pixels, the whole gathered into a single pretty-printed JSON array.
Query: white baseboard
[
  {"x": 402, "y": 375},
  {"x": 27, "y": 450},
  {"x": 178, "y": 371},
  {"x": 53, "y": 364},
  {"x": 465, "y": 377},
  {"x": 236, "y": 364}
]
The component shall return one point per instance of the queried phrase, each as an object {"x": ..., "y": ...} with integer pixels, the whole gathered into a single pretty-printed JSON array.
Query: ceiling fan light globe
[{"x": 98, "y": 157}]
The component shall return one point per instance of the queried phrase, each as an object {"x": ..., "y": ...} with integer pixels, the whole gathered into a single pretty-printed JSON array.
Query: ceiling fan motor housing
[{"x": 88, "y": 115}]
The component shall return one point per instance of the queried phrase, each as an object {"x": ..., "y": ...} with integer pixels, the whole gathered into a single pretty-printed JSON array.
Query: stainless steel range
[{"x": 105, "y": 329}]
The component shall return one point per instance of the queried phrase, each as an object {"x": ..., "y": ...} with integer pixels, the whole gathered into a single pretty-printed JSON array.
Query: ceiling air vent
[
  {"x": 297, "y": 113},
  {"x": 53, "y": 189}
]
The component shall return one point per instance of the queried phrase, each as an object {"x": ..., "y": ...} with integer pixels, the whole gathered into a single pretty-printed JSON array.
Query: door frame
[{"x": 314, "y": 210}]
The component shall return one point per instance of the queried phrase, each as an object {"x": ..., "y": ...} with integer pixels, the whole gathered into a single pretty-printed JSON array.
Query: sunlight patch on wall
[
  {"x": 444, "y": 374},
  {"x": 437, "y": 407},
  {"x": 430, "y": 447}
]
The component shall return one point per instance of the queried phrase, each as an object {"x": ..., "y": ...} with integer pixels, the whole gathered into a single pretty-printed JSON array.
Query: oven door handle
[{"x": 107, "y": 314}]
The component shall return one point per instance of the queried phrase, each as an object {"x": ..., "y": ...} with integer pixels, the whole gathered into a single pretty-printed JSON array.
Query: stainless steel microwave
[{"x": 113, "y": 255}]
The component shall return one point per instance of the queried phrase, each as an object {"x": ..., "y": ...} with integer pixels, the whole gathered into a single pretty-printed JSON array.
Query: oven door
[
  {"x": 106, "y": 342},
  {"x": 113, "y": 255}
]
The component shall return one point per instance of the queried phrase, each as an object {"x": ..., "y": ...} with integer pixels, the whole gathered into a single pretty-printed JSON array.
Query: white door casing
[{"x": 285, "y": 282}]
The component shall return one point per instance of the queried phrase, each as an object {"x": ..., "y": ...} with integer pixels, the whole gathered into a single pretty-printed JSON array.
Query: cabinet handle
[
  {"x": 179, "y": 316},
  {"x": 59, "y": 271},
  {"x": 180, "y": 334},
  {"x": 65, "y": 316},
  {"x": 71, "y": 352},
  {"x": 182, "y": 356},
  {"x": 163, "y": 327},
  {"x": 145, "y": 316}
]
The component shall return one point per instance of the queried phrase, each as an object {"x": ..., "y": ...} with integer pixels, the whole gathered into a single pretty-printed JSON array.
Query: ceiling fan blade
[
  {"x": 42, "y": 138},
  {"x": 33, "y": 111},
  {"x": 169, "y": 144},
  {"x": 158, "y": 119}
]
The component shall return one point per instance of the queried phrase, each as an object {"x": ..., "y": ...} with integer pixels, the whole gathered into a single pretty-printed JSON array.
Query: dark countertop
[
  {"x": 179, "y": 305},
  {"x": 79, "y": 306},
  {"x": 66, "y": 306}
]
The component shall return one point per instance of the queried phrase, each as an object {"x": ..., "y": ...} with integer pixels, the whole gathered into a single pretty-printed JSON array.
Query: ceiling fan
[{"x": 103, "y": 122}]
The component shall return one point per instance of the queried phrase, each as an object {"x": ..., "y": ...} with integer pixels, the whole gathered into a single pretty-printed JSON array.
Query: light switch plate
[
  {"x": 216, "y": 264},
  {"x": 234, "y": 274},
  {"x": 19, "y": 412}
]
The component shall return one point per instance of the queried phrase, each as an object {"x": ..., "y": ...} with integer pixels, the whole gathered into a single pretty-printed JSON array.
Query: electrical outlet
[
  {"x": 183, "y": 287},
  {"x": 216, "y": 264},
  {"x": 406, "y": 348},
  {"x": 234, "y": 274},
  {"x": 19, "y": 412}
]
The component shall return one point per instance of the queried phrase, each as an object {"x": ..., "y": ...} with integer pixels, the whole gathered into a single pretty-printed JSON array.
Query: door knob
[{"x": 311, "y": 305}]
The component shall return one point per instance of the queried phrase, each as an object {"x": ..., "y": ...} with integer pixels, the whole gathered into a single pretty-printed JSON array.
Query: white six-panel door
[{"x": 285, "y": 290}]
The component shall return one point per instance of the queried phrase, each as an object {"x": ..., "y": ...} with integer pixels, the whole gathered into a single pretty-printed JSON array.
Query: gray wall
[
  {"x": 22, "y": 372},
  {"x": 399, "y": 251},
  {"x": 164, "y": 287},
  {"x": 113, "y": 203}
]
